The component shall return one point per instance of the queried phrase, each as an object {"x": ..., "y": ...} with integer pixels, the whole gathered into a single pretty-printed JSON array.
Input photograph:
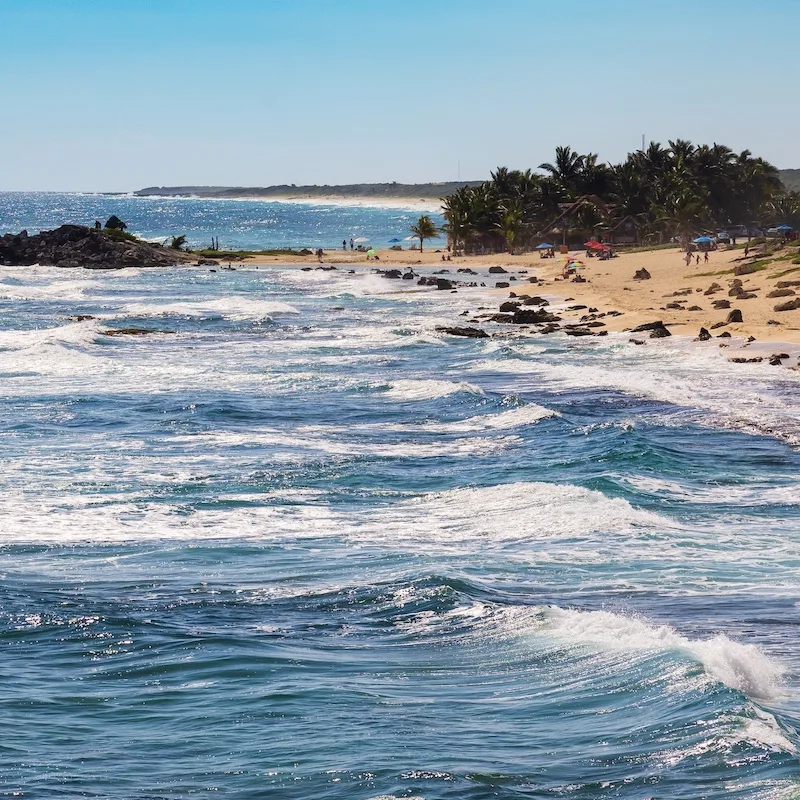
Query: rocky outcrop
[
  {"x": 472, "y": 333},
  {"x": 641, "y": 275},
  {"x": 77, "y": 246},
  {"x": 790, "y": 305}
]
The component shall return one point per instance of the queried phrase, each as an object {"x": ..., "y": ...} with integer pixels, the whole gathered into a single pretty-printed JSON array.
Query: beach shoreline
[{"x": 610, "y": 286}]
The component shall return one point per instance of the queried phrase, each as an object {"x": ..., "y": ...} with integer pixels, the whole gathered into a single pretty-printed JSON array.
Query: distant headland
[{"x": 354, "y": 191}]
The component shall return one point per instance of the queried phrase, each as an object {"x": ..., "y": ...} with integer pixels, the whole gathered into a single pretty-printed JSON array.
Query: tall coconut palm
[
  {"x": 566, "y": 170},
  {"x": 425, "y": 228}
]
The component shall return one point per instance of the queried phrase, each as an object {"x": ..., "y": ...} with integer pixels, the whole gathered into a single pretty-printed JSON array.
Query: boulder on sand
[
  {"x": 641, "y": 275},
  {"x": 790, "y": 305},
  {"x": 703, "y": 336},
  {"x": 734, "y": 316}
]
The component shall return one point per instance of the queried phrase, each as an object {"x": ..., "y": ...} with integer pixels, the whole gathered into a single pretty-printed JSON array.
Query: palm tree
[
  {"x": 567, "y": 168},
  {"x": 177, "y": 242},
  {"x": 424, "y": 229}
]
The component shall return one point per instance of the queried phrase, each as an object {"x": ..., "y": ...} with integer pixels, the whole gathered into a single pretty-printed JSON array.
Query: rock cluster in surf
[{"x": 78, "y": 246}]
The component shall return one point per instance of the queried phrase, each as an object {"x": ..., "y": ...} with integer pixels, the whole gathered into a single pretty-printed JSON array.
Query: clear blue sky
[{"x": 105, "y": 95}]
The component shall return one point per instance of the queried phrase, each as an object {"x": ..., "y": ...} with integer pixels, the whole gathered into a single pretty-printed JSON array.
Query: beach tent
[{"x": 544, "y": 246}]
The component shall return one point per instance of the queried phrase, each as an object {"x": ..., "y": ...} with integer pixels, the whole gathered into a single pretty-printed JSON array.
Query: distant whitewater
[{"x": 296, "y": 542}]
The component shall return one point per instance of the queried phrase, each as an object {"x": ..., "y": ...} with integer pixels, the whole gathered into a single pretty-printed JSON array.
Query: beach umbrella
[
  {"x": 371, "y": 251},
  {"x": 593, "y": 245},
  {"x": 784, "y": 228},
  {"x": 394, "y": 241},
  {"x": 544, "y": 246},
  {"x": 411, "y": 238},
  {"x": 361, "y": 240},
  {"x": 703, "y": 240}
]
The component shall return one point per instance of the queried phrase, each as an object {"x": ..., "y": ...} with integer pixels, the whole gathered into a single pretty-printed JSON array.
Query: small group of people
[
  {"x": 688, "y": 257},
  {"x": 344, "y": 244}
]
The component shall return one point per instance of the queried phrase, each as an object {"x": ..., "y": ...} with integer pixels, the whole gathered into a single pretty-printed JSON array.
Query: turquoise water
[{"x": 305, "y": 546}]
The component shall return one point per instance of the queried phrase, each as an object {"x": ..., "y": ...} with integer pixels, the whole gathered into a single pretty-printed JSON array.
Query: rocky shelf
[{"x": 78, "y": 246}]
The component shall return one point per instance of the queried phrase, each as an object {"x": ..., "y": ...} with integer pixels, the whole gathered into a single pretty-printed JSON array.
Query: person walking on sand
[
  {"x": 344, "y": 244},
  {"x": 698, "y": 259},
  {"x": 705, "y": 257},
  {"x": 688, "y": 258}
]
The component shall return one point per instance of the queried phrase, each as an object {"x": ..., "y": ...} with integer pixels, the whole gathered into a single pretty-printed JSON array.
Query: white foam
[
  {"x": 743, "y": 667},
  {"x": 504, "y": 420},
  {"x": 231, "y": 307},
  {"x": 410, "y": 390}
]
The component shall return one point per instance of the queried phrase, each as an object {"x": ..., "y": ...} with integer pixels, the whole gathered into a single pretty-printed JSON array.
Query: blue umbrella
[
  {"x": 393, "y": 241},
  {"x": 545, "y": 246},
  {"x": 784, "y": 228},
  {"x": 703, "y": 240}
]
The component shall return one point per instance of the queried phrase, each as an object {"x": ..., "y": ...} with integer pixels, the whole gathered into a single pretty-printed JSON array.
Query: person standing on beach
[
  {"x": 344, "y": 244},
  {"x": 351, "y": 242},
  {"x": 705, "y": 258},
  {"x": 688, "y": 258}
]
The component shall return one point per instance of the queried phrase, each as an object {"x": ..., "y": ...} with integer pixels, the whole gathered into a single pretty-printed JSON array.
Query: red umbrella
[{"x": 593, "y": 245}]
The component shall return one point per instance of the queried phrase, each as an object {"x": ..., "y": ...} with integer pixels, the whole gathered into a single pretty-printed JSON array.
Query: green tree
[
  {"x": 425, "y": 228},
  {"x": 177, "y": 242}
]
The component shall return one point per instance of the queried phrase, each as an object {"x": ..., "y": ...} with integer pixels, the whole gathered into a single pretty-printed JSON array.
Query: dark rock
[
  {"x": 786, "y": 284},
  {"x": 734, "y": 316},
  {"x": 577, "y": 332},
  {"x": 636, "y": 341},
  {"x": 724, "y": 335},
  {"x": 790, "y": 305},
  {"x": 576, "y": 308},
  {"x": 742, "y": 360},
  {"x": 641, "y": 275},
  {"x": 80, "y": 317},
  {"x": 443, "y": 283},
  {"x": 502, "y": 285},
  {"x": 552, "y": 328},
  {"x": 744, "y": 269},
  {"x": 648, "y": 326},
  {"x": 720, "y": 304},
  {"x": 394, "y": 274},
  {"x": 718, "y": 325},
  {"x": 78, "y": 246},
  {"x": 703, "y": 336},
  {"x": 509, "y": 306},
  {"x": 206, "y": 262},
  {"x": 694, "y": 308},
  {"x": 471, "y": 333},
  {"x": 509, "y": 318},
  {"x": 715, "y": 287},
  {"x": 409, "y": 276},
  {"x": 781, "y": 293},
  {"x": 525, "y": 316},
  {"x": 746, "y": 296},
  {"x": 779, "y": 355},
  {"x": 595, "y": 324},
  {"x": 659, "y": 333},
  {"x": 533, "y": 280},
  {"x": 775, "y": 362},
  {"x": 773, "y": 322},
  {"x": 132, "y": 331},
  {"x": 497, "y": 270},
  {"x": 677, "y": 306}
]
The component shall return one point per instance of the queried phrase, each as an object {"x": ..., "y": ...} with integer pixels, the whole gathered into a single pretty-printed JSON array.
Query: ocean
[{"x": 299, "y": 544}]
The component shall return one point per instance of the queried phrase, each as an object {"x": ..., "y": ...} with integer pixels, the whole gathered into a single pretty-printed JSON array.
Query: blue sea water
[
  {"x": 299, "y": 544},
  {"x": 239, "y": 224}
]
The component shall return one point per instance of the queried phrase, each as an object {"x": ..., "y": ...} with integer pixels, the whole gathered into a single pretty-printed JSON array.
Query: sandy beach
[{"x": 674, "y": 293}]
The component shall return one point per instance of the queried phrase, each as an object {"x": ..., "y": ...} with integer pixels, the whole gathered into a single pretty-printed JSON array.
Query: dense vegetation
[{"x": 674, "y": 191}]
